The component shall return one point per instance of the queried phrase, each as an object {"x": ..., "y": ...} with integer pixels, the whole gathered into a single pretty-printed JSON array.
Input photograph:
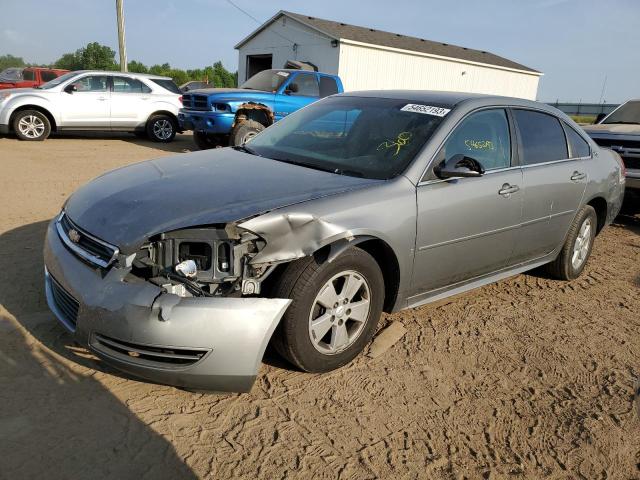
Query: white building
[{"x": 368, "y": 59}]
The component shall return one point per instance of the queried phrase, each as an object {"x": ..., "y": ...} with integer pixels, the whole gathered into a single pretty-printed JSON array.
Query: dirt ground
[{"x": 527, "y": 378}]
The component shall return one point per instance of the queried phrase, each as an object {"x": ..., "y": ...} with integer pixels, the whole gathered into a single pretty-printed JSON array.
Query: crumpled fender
[{"x": 290, "y": 236}]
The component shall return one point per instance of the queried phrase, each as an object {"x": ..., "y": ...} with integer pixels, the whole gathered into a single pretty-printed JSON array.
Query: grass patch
[{"x": 588, "y": 119}]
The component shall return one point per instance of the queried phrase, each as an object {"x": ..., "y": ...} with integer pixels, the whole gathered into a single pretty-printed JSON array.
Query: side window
[
  {"x": 328, "y": 86},
  {"x": 483, "y": 136},
  {"x": 578, "y": 145},
  {"x": 129, "y": 85},
  {"x": 307, "y": 85},
  {"x": 92, "y": 83},
  {"x": 47, "y": 75},
  {"x": 28, "y": 75},
  {"x": 542, "y": 137}
]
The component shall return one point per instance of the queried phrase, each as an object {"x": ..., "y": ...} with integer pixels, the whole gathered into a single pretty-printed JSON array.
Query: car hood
[
  {"x": 612, "y": 129},
  {"x": 127, "y": 206}
]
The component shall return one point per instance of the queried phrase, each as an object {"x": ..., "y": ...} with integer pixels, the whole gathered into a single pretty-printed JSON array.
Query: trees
[
  {"x": 7, "y": 61},
  {"x": 95, "y": 56}
]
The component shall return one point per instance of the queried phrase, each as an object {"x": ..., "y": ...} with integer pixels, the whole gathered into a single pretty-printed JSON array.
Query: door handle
[
  {"x": 577, "y": 176},
  {"x": 102, "y": 99},
  {"x": 507, "y": 190}
]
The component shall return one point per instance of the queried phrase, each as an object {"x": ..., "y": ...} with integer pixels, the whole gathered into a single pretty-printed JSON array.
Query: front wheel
[
  {"x": 162, "y": 128},
  {"x": 334, "y": 311},
  {"x": 31, "y": 125},
  {"x": 577, "y": 247},
  {"x": 244, "y": 131}
]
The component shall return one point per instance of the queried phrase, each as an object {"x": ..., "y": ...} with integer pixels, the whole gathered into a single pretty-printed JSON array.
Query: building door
[{"x": 258, "y": 63}]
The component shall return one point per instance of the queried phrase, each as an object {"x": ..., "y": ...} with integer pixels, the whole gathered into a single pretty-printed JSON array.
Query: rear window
[
  {"x": 328, "y": 86},
  {"x": 47, "y": 75},
  {"x": 579, "y": 146},
  {"x": 542, "y": 137},
  {"x": 167, "y": 84},
  {"x": 129, "y": 85}
]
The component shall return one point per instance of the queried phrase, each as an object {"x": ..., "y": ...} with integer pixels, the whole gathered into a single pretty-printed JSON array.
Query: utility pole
[{"x": 121, "y": 40}]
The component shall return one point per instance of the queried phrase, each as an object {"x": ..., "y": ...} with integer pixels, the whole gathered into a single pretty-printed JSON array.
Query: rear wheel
[
  {"x": 245, "y": 131},
  {"x": 31, "y": 125},
  {"x": 577, "y": 247},
  {"x": 162, "y": 128},
  {"x": 334, "y": 311}
]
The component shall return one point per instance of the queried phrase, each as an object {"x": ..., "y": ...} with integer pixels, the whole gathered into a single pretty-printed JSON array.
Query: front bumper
[
  {"x": 193, "y": 342},
  {"x": 213, "y": 123},
  {"x": 633, "y": 178}
]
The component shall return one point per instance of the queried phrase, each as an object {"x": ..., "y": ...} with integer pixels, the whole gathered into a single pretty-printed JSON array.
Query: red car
[{"x": 28, "y": 77}]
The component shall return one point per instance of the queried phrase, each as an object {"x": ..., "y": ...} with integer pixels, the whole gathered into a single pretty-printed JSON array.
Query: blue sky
[{"x": 576, "y": 43}]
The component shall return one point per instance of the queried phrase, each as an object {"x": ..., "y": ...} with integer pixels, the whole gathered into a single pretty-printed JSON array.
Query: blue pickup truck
[{"x": 231, "y": 116}]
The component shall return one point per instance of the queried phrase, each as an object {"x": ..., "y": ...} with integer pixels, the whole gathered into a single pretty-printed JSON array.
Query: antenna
[{"x": 604, "y": 84}]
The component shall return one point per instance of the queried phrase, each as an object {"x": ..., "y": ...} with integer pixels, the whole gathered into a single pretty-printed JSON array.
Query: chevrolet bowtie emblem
[{"x": 74, "y": 236}]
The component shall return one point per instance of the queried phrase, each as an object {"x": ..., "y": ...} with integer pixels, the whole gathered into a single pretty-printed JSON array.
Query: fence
[{"x": 584, "y": 108}]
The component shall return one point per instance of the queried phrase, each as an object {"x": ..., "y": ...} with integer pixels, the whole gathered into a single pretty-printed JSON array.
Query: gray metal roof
[{"x": 345, "y": 31}]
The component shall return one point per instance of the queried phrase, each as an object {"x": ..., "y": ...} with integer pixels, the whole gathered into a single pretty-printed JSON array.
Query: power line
[{"x": 258, "y": 21}]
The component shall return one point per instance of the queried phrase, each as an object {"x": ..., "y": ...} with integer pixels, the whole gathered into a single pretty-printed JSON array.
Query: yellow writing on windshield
[{"x": 402, "y": 139}]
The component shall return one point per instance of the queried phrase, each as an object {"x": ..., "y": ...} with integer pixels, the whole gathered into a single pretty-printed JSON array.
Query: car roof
[
  {"x": 127, "y": 74},
  {"x": 472, "y": 100}
]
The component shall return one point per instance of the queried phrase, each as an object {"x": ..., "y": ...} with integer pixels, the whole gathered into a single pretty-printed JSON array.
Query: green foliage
[
  {"x": 101, "y": 57},
  {"x": 7, "y": 61}
]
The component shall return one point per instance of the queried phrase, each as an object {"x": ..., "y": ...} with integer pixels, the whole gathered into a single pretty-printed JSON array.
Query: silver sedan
[{"x": 183, "y": 269}]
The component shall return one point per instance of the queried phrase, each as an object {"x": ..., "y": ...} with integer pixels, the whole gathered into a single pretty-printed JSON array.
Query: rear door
[
  {"x": 299, "y": 91},
  {"x": 88, "y": 106},
  {"x": 466, "y": 227},
  {"x": 554, "y": 180},
  {"x": 130, "y": 99}
]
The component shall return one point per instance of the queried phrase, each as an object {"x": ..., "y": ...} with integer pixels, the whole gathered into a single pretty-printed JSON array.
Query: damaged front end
[{"x": 183, "y": 310}]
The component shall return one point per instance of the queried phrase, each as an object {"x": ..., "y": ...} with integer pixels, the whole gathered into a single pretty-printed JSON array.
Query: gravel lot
[{"x": 527, "y": 378}]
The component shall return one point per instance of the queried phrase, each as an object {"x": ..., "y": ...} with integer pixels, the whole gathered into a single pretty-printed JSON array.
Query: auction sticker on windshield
[{"x": 425, "y": 109}]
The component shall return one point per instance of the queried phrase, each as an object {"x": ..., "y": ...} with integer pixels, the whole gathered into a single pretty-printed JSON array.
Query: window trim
[
  {"x": 566, "y": 126},
  {"x": 515, "y": 158},
  {"x": 521, "y": 148}
]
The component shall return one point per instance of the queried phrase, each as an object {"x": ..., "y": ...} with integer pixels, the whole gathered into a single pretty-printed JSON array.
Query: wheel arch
[
  {"x": 601, "y": 207},
  {"x": 162, "y": 112},
  {"x": 258, "y": 112},
  {"x": 30, "y": 106}
]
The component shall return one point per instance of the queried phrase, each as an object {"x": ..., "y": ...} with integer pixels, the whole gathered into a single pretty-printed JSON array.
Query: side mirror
[
  {"x": 459, "y": 166},
  {"x": 71, "y": 88},
  {"x": 291, "y": 88},
  {"x": 600, "y": 117}
]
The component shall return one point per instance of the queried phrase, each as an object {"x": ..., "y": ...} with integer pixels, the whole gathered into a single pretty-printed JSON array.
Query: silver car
[{"x": 182, "y": 270}]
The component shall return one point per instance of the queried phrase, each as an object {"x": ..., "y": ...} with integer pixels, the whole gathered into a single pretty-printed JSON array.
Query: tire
[
  {"x": 244, "y": 131},
  {"x": 204, "y": 141},
  {"x": 306, "y": 283},
  {"x": 31, "y": 125},
  {"x": 162, "y": 128},
  {"x": 572, "y": 259}
]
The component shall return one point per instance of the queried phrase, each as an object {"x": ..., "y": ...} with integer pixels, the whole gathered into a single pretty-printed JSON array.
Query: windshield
[
  {"x": 266, "y": 80},
  {"x": 627, "y": 113},
  {"x": 363, "y": 137},
  {"x": 11, "y": 75},
  {"x": 57, "y": 81}
]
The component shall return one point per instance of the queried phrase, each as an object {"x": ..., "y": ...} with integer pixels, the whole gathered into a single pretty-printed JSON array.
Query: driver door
[
  {"x": 89, "y": 105},
  {"x": 466, "y": 227},
  {"x": 299, "y": 92}
]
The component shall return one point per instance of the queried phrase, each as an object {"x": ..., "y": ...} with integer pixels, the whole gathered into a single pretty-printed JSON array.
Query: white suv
[{"x": 93, "y": 100}]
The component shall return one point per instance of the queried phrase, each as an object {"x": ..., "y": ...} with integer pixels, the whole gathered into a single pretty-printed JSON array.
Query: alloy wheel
[
  {"x": 31, "y": 126},
  {"x": 339, "y": 312},
  {"x": 162, "y": 129},
  {"x": 581, "y": 245}
]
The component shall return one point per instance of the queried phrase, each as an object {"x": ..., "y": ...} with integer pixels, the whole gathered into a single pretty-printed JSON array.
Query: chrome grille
[
  {"x": 65, "y": 303},
  {"x": 83, "y": 244}
]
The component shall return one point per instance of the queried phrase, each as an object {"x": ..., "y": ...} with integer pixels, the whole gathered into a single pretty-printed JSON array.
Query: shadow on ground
[
  {"x": 182, "y": 143},
  {"x": 57, "y": 419}
]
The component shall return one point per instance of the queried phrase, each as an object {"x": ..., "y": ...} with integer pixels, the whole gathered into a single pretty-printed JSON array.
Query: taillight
[{"x": 180, "y": 99}]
